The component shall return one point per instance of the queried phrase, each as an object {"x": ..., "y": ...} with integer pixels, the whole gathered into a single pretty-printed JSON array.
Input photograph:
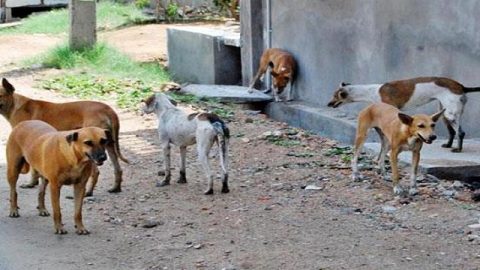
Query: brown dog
[
  {"x": 397, "y": 131},
  {"x": 62, "y": 158},
  {"x": 282, "y": 65},
  {"x": 65, "y": 116}
]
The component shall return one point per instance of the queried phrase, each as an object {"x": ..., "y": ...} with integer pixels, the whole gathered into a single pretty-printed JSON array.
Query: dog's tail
[
  {"x": 115, "y": 124},
  {"x": 471, "y": 89}
]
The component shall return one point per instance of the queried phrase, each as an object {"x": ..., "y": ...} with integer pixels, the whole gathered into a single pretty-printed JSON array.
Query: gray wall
[{"x": 376, "y": 41}]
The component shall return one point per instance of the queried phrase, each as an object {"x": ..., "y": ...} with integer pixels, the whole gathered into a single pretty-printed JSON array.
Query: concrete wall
[{"x": 373, "y": 41}]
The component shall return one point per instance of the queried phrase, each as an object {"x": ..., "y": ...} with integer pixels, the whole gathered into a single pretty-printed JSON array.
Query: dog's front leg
[
  {"x": 166, "y": 160},
  {"x": 78, "y": 195},
  {"x": 397, "y": 190},
  {"x": 42, "y": 210},
  {"x": 289, "y": 91},
  {"x": 93, "y": 180},
  {"x": 413, "y": 176},
  {"x": 183, "y": 157},
  {"x": 55, "y": 198},
  {"x": 276, "y": 96}
]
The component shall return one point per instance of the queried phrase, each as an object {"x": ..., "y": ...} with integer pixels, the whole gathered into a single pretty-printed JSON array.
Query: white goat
[{"x": 181, "y": 129}]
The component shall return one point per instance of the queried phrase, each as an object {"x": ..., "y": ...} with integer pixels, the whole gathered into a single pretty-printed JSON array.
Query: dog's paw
[
  {"x": 60, "y": 231},
  {"x": 250, "y": 90},
  {"x": 225, "y": 189},
  {"x": 162, "y": 183},
  {"x": 446, "y": 145},
  {"x": 397, "y": 190},
  {"x": 14, "y": 213},
  {"x": 29, "y": 185},
  {"x": 413, "y": 191},
  {"x": 209, "y": 192},
  {"x": 456, "y": 150},
  {"x": 89, "y": 193},
  {"x": 182, "y": 180},
  {"x": 82, "y": 231},
  {"x": 115, "y": 189},
  {"x": 43, "y": 213}
]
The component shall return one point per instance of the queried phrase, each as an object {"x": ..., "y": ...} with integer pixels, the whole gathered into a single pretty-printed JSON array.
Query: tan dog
[
  {"x": 397, "y": 131},
  {"x": 62, "y": 158},
  {"x": 282, "y": 65},
  {"x": 65, "y": 116}
]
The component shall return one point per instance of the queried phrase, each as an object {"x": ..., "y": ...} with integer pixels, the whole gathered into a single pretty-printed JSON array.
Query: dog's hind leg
[
  {"x": 183, "y": 156},
  {"x": 15, "y": 165},
  {"x": 383, "y": 153},
  {"x": 93, "y": 180},
  {"x": 397, "y": 190},
  {"x": 33, "y": 180},
  {"x": 166, "y": 161},
  {"x": 224, "y": 163},
  {"x": 360, "y": 138},
  {"x": 451, "y": 133},
  {"x": 117, "y": 187},
  {"x": 204, "y": 144}
]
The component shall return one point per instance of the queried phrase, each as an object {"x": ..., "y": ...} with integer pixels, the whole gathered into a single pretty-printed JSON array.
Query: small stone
[
  {"x": 248, "y": 120},
  {"x": 448, "y": 193},
  {"x": 245, "y": 140},
  {"x": 277, "y": 133},
  {"x": 474, "y": 226},
  {"x": 313, "y": 187},
  {"x": 457, "y": 185},
  {"x": 150, "y": 223},
  {"x": 198, "y": 246},
  {"x": 389, "y": 209}
]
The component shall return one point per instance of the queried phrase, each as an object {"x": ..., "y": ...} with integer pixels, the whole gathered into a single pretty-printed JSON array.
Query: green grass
[
  {"x": 101, "y": 72},
  {"x": 110, "y": 15},
  {"x": 101, "y": 60}
]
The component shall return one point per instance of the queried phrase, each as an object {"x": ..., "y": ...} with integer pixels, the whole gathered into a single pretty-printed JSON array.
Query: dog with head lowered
[
  {"x": 282, "y": 68},
  {"x": 65, "y": 116},
  {"x": 61, "y": 158},
  {"x": 398, "y": 132}
]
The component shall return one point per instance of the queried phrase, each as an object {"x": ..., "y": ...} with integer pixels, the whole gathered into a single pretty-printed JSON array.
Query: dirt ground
[{"x": 269, "y": 220}]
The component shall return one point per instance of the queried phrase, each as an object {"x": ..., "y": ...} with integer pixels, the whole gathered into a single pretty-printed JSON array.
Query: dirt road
[{"x": 268, "y": 221}]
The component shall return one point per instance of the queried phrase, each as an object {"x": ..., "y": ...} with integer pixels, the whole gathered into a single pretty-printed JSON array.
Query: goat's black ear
[
  {"x": 8, "y": 86},
  {"x": 72, "y": 137},
  {"x": 405, "y": 118},
  {"x": 173, "y": 101}
]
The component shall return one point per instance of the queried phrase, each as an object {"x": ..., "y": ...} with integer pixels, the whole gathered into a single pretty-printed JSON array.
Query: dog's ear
[
  {"x": 437, "y": 115},
  {"x": 405, "y": 118},
  {"x": 343, "y": 84},
  {"x": 109, "y": 135},
  {"x": 274, "y": 74},
  {"x": 72, "y": 137},
  {"x": 172, "y": 101},
  {"x": 8, "y": 86}
]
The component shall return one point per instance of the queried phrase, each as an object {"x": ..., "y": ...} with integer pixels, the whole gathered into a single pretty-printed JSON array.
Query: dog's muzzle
[
  {"x": 97, "y": 158},
  {"x": 429, "y": 140}
]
